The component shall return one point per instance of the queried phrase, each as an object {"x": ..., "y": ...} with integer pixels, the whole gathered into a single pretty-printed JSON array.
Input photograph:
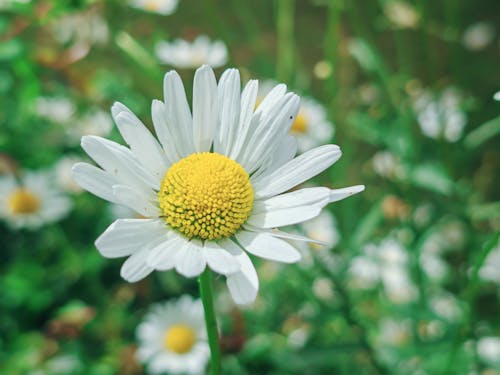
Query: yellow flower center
[
  {"x": 179, "y": 338},
  {"x": 300, "y": 125},
  {"x": 23, "y": 201},
  {"x": 206, "y": 195},
  {"x": 152, "y": 5}
]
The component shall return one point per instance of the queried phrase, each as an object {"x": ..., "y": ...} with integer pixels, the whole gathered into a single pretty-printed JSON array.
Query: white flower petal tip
[
  {"x": 190, "y": 261},
  {"x": 267, "y": 246},
  {"x": 339, "y": 194},
  {"x": 220, "y": 260}
]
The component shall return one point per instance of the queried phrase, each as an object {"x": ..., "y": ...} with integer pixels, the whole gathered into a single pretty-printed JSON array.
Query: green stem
[
  {"x": 205, "y": 283},
  {"x": 285, "y": 49}
]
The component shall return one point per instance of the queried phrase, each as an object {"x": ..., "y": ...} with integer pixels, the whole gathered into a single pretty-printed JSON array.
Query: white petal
[
  {"x": 94, "y": 180},
  {"x": 266, "y": 246},
  {"x": 229, "y": 111},
  {"x": 272, "y": 128},
  {"x": 243, "y": 285},
  {"x": 284, "y": 235},
  {"x": 190, "y": 261},
  {"x": 163, "y": 256},
  {"x": 135, "y": 267},
  {"x": 142, "y": 143},
  {"x": 119, "y": 162},
  {"x": 219, "y": 259},
  {"x": 290, "y": 208},
  {"x": 339, "y": 194},
  {"x": 126, "y": 236},
  {"x": 204, "y": 108},
  {"x": 163, "y": 133},
  {"x": 286, "y": 151},
  {"x": 296, "y": 171},
  {"x": 136, "y": 200},
  {"x": 177, "y": 111},
  {"x": 271, "y": 99},
  {"x": 248, "y": 99}
]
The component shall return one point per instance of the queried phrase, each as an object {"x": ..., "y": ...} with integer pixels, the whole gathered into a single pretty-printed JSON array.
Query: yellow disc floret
[
  {"x": 179, "y": 338},
  {"x": 206, "y": 195},
  {"x": 23, "y": 201},
  {"x": 300, "y": 125}
]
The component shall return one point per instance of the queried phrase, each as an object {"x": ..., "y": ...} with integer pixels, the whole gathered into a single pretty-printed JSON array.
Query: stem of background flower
[
  {"x": 284, "y": 29},
  {"x": 205, "y": 284}
]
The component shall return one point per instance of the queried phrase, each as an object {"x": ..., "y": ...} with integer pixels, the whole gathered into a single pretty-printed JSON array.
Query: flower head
[
  {"x": 163, "y": 7},
  {"x": 172, "y": 338},
  {"x": 33, "y": 202},
  {"x": 186, "y": 55},
  {"x": 213, "y": 187}
]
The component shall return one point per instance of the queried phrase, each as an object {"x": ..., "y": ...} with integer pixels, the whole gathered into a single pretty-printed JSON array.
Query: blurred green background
[{"x": 411, "y": 286}]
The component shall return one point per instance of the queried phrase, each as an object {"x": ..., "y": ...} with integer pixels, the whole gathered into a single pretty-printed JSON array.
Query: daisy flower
[
  {"x": 189, "y": 55},
  {"x": 33, "y": 202},
  {"x": 213, "y": 187},
  {"x": 81, "y": 28},
  {"x": 311, "y": 127},
  {"x": 163, "y": 7},
  {"x": 172, "y": 338},
  {"x": 440, "y": 116}
]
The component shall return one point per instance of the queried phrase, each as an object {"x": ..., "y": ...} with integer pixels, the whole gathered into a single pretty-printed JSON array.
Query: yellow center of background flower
[
  {"x": 299, "y": 126},
  {"x": 23, "y": 201},
  {"x": 179, "y": 338},
  {"x": 206, "y": 195}
]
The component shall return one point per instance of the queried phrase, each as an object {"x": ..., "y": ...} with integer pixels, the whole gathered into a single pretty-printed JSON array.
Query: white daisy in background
[
  {"x": 81, "y": 28},
  {"x": 440, "y": 116},
  {"x": 446, "y": 306},
  {"x": 56, "y": 109},
  {"x": 94, "y": 122},
  {"x": 402, "y": 14},
  {"x": 63, "y": 174},
  {"x": 172, "y": 338},
  {"x": 322, "y": 228},
  {"x": 394, "y": 332},
  {"x": 388, "y": 165},
  {"x": 189, "y": 55},
  {"x": 163, "y": 7},
  {"x": 214, "y": 187},
  {"x": 311, "y": 127},
  {"x": 33, "y": 202},
  {"x": 388, "y": 264},
  {"x": 478, "y": 36},
  {"x": 490, "y": 269},
  {"x": 488, "y": 349}
]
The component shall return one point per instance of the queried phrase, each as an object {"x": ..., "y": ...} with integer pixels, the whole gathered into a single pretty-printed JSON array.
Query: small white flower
[
  {"x": 163, "y": 7},
  {"x": 172, "y": 338},
  {"x": 446, "y": 306},
  {"x": 401, "y": 14},
  {"x": 81, "y": 28},
  {"x": 488, "y": 349},
  {"x": 95, "y": 122},
  {"x": 386, "y": 263},
  {"x": 386, "y": 164},
  {"x": 214, "y": 187},
  {"x": 478, "y": 36},
  {"x": 63, "y": 174},
  {"x": 33, "y": 202},
  {"x": 189, "y": 55},
  {"x": 394, "y": 332},
  {"x": 56, "y": 109},
  {"x": 490, "y": 270},
  {"x": 440, "y": 116},
  {"x": 311, "y": 127}
]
